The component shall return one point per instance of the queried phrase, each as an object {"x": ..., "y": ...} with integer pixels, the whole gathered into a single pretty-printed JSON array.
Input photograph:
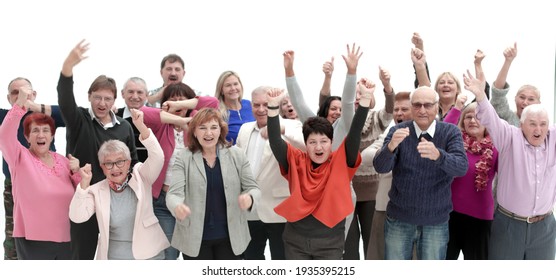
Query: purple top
[{"x": 465, "y": 196}]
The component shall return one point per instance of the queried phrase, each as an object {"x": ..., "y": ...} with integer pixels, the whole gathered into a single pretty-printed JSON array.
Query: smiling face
[
  {"x": 447, "y": 87},
  {"x": 472, "y": 126},
  {"x": 116, "y": 174},
  {"x": 231, "y": 88},
  {"x": 40, "y": 137},
  {"x": 134, "y": 94},
  {"x": 334, "y": 111},
  {"x": 535, "y": 125},
  {"x": 207, "y": 134},
  {"x": 101, "y": 103},
  {"x": 172, "y": 72},
  {"x": 319, "y": 147},
  {"x": 259, "y": 105}
]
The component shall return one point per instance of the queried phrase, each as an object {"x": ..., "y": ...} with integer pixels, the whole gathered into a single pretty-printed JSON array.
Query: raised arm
[
  {"x": 384, "y": 76},
  {"x": 510, "y": 54},
  {"x": 479, "y": 73},
  {"x": 327, "y": 69},
  {"x": 353, "y": 138},
  {"x": 418, "y": 44},
  {"x": 348, "y": 96},
  {"x": 419, "y": 62},
  {"x": 277, "y": 144},
  {"x": 296, "y": 95}
]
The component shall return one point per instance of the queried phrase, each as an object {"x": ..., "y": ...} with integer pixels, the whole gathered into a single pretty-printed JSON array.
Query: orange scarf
[{"x": 323, "y": 192}]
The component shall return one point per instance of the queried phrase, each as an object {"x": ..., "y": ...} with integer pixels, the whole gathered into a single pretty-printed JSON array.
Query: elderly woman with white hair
[{"x": 123, "y": 201}]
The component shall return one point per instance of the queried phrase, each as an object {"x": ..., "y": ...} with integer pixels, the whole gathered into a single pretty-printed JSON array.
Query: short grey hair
[
  {"x": 533, "y": 109},
  {"x": 113, "y": 147},
  {"x": 136, "y": 80},
  {"x": 531, "y": 88}
]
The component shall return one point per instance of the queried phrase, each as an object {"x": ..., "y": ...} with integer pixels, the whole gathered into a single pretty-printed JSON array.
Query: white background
[{"x": 129, "y": 38}]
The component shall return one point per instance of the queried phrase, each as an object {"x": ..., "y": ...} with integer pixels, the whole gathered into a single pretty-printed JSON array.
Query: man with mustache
[{"x": 172, "y": 71}]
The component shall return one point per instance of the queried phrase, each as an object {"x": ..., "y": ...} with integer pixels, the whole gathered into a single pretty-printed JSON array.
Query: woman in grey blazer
[{"x": 212, "y": 189}]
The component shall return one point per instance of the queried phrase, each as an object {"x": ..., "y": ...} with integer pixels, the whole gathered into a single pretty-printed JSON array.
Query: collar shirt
[{"x": 526, "y": 181}]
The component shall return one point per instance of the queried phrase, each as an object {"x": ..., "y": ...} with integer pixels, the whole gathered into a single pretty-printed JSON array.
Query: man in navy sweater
[{"x": 424, "y": 156}]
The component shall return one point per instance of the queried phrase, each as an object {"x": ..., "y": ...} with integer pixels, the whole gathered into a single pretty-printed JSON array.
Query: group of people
[{"x": 427, "y": 176}]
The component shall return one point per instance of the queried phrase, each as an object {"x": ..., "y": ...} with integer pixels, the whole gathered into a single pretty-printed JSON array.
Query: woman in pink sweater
[
  {"x": 472, "y": 194},
  {"x": 45, "y": 184}
]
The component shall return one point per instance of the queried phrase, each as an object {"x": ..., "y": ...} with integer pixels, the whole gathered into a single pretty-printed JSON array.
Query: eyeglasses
[
  {"x": 98, "y": 99},
  {"x": 418, "y": 105},
  {"x": 110, "y": 165},
  {"x": 469, "y": 118}
]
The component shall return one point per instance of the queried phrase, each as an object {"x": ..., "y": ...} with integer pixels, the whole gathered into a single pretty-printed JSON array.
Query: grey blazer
[{"x": 189, "y": 186}]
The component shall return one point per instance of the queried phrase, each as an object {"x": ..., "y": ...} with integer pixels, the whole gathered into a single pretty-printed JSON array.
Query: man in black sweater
[{"x": 86, "y": 130}]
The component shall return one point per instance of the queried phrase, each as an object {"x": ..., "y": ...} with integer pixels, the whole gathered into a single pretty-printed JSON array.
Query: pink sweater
[
  {"x": 165, "y": 135},
  {"x": 42, "y": 195}
]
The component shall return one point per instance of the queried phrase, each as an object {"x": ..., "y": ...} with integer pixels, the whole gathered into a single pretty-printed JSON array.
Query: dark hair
[
  {"x": 204, "y": 115},
  {"x": 317, "y": 125},
  {"x": 323, "y": 109},
  {"x": 38, "y": 119},
  {"x": 103, "y": 82},
  {"x": 179, "y": 89},
  {"x": 171, "y": 58}
]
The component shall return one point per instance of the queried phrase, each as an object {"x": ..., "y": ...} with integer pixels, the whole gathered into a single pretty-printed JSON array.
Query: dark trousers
[
  {"x": 360, "y": 228},
  {"x": 218, "y": 249},
  {"x": 468, "y": 235},
  {"x": 260, "y": 233},
  {"x": 84, "y": 238},
  {"x": 516, "y": 240},
  {"x": 42, "y": 250},
  {"x": 300, "y": 247},
  {"x": 9, "y": 244}
]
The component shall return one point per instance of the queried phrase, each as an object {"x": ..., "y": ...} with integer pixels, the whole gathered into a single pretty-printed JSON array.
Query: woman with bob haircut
[{"x": 212, "y": 189}]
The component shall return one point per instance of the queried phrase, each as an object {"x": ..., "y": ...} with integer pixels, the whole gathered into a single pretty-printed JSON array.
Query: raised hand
[
  {"x": 275, "y": 96},
  {"x": 86, "y": 175},
  {"x": 511, "y": 52},
  {"x": 384, "y": 77},
  {"x": 182, "y": 211},
  {"x": 397, "y": 137},
  {"x": 474, "y": 85},
  {"x": 418, "y": 56},
  {"x": 76, "y": 55},
  {"x": 289, "y": 56},
  {"x": 460, "y": 101},
  {"x": 137, "y": 117},
  {"x": 479, "y": 56},
  {"x": 428, "y": 150},
  {"x": 417, "y": 41},
  {"x": 367, "y": 89},
  {"x": 352, "y": 58},
  {"x": 328, "y": 67},
  {"x": 245, "y": 201},
  {"x": 73, "y": 163},
  {"x": 23, "y": 96}
]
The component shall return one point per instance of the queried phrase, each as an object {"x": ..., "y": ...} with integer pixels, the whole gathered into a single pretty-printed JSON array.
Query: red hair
[{"x": 38, "y": 119}]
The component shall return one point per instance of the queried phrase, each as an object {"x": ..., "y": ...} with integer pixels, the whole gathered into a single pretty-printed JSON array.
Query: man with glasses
[
  {"x": 87, "y": 129},
  {"x": 424, "y": 156},
  {"x": 54, "y": 112}
]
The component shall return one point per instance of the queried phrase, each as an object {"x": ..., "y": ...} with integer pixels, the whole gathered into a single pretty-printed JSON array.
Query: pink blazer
[{"x": 148, "y": 237}]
